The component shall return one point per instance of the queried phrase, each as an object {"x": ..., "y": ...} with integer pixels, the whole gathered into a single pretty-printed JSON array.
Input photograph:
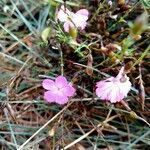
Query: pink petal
[
  {"x": 67, "y": 25},
  {"x": 79, "y": 21},
  {"x": 61, "y": 81},
  {"x": 112, "y": 89},
  {"x": 49, "y": 96},
  {"x": 108, "y": 92},
  {"x": 120, "y": 97},
  {"x": 103, "y": 82},
  {"x": 80, "y": 18},
  {"x": 63, "y": 14},
  {"x": 124, "y": 87},
  {"x": 69, "y": 91},
  {"x": 105, "y": 95},
  {"x": 82, "y": 25},
  {"x": 127, "y": 86},
  {"x": 83, "y": 12},
  {"x": 105, "y": 87},
  {"x": 99, "y": 94},
  {"x": 113, "y": 95},
  {"x": 61, "y": 99},
  {"x": 55, "y": 98},
  {"x": 120, "y": 74},
  {"x": 48, "y": 84},
  {"x": 100, "y": 83}
]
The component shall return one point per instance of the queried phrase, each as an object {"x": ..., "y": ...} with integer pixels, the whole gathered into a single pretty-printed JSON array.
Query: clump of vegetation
[{"x": 74, "y": 74}]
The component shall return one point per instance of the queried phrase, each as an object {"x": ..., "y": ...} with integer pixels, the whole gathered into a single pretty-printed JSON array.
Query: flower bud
[
  {"x": 52, "y": 132},
  {"x": 137, "y": 37},
  {"x": 121, "y": 2},
  {"x": 73, "y": 32},
  {"x": 89, "y": 69},
  {"x": 113, "y": 59},
  {"x": 133, "y": 115}
]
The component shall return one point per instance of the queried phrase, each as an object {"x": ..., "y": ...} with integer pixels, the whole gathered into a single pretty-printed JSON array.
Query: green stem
[
  {"x": 62, "y": 63},
  {"x": 142, "y": 56}
]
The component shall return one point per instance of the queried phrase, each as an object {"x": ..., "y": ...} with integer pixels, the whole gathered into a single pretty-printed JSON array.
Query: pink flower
[
  {"x": 114, "y": 89},
  {"x": 58, "y": 91},
  {"x": 73, "y": 20}
]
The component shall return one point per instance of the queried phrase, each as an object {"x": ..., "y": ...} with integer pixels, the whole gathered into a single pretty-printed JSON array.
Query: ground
[{"x": 34, "y": 46}]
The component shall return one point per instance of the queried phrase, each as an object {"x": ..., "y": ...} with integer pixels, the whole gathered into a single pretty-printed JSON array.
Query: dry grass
[{"x": 27, "y": 121}]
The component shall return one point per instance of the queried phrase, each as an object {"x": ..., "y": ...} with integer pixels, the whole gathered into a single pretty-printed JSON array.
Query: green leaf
[{"x": 45, "y": 34}]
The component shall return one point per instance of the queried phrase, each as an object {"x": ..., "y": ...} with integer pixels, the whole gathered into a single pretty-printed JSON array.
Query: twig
[
  {"x": 88, "y": 133},
  {"x": 22, "y": 146}
]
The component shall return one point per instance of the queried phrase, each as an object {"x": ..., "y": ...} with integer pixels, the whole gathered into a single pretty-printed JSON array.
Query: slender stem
[
  {"x": 142, "y": 56},
  {"x": 62, "y": 63}
]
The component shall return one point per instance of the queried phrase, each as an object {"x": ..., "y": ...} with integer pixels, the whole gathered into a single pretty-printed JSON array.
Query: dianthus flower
[
  {"x": 58, "y": 91},
  {"x": 73, "y": 20},
  {"x": 114, "y": 89}
]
